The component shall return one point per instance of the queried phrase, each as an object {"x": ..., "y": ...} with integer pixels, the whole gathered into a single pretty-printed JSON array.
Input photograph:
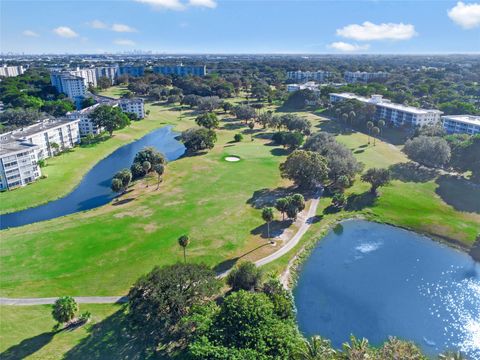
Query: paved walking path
[{"x": 121, "y": 299}]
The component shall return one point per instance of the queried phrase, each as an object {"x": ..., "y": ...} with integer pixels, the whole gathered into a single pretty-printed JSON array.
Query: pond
[
  {"x": 94, "y": 189},
  {"x": 376, "y": 281}
]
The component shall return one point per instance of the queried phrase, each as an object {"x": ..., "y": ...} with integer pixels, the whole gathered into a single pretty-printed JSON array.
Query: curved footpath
[{"x": 122, "y": 299}]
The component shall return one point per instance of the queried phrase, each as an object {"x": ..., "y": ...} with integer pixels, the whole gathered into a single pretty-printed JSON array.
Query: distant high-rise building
[
  {"x": 181, "y": 70},
  {"x": 11, "y": 71},
  {"x": 109, "y": 72},
  {"x": 304, "y": 76},
  {"x": 363, "y": 76},
  {"x": 131, "y": 70},
  {"x": 89, "y": 76},
  {"x": 71, "y": 85},
  {"x": 397, "y": 114}
]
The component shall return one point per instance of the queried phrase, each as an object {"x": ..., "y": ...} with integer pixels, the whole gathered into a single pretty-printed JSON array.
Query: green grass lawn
[
  {"x": 26, "y": 333},
  {"x": 114, "y": 92},
  {"x": 65, "y": 171}
]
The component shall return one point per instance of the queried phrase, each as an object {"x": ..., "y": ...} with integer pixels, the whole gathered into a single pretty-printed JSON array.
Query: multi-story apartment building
[
  {"x": 21, "y": 149},
  {"x": 11, "y": 71},
  {"x": 397, "y": 114},
  {"x": 303, "y": 76},
  {"x": 461, "y": 124},
  {"x": 135, "y": 106},
  {"x": 86, "y": 126},
  {"x": 181, "y": 70},
  {"x": 131, "y": 70},
  {"x": 18, "y": 164},
  {"x": 89, "y": 76},
  {"x": 110, "y": 72},
  {"x": 71, "y": 85},
  {"x": 363, "y": 76},
  {"x": 310, "y": 85}
]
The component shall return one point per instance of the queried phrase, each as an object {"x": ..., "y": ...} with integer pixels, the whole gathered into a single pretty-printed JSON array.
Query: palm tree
[
  {"x": 267, "y": 215},
  {"x": 369, "y": 127},
  {"x": 146, "y": 166},
  {"x": 183, "y": 241},
  {"x": 251, "y": 125},
  {"x": 352, "y": 117},
  {"x": 375, "y": 131},
  {"x": 358, "y": 349},
  {"x": 159, "y": 169},
  {"x": 381, "y": 124},
  {"x": 316, "y": 348}
]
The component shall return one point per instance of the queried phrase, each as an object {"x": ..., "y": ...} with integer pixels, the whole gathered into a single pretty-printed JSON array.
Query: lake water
[
  {"x": 374, "y": 280},
  {"x": 94, "y": 189}
]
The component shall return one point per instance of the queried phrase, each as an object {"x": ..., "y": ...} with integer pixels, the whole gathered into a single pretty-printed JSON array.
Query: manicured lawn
[
  {"x": 65, "y": 171},
  {"x": 114, "y": 91},
  {"x": 103, "y": 251},
  {"x": 26, "y": 333}
]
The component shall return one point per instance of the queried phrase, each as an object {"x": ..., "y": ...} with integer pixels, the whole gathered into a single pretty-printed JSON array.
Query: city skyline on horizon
[{"x": 189, "y": 27}]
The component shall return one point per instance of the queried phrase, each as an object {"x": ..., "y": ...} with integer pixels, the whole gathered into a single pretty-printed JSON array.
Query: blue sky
[{"x": 240, "y": 26}]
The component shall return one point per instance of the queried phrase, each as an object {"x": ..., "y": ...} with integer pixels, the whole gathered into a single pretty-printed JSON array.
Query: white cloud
[
  {"x": 203, "y": 3},
  {"x": 164, "y": 4},
  {"x": 30, "y": 33},
  {"x": 179, "y": 4},
  {"x": 122, "y": 28},
  {"x": 465, "y": 15},
  {"x": 97, "y": 24},
  {"x": 124, "y": 42},
  {"x": 370, "y": 31},
  {"x": 65, "y": 31},
  {"x": 347, "y": 47}
]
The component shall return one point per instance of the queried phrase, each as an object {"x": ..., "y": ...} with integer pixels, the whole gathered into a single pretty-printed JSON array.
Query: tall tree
[
  {"x": 282, "y": 206},
  {"x": 307, "y": 169},
  {"x": 110, "y": 118},
  {"x": 184, "y": 241},
  {"x": 267, "y": 216},
  {"x": 428, "y": 150},
  {"x": 208, "y": 120},
  {"x": 159, "y": 170},
  {"x": 376, "y": 177}
]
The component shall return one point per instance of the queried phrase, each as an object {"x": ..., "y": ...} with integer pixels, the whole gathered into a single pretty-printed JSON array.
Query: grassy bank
[
  {"x": 26, "y": 333},
  {"x": 66, "y": 171}
]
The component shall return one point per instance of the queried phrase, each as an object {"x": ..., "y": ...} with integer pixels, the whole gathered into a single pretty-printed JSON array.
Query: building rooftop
[
  {"x": 379, "y": 100},
  {"x": 14, "y": 146},
  {"x": 31, "y": 130},
  {"x": 466, "y": 119}
]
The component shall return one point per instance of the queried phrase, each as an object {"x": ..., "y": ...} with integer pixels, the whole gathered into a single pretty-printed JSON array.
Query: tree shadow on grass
[
  {"x": 280, "y": 152},
  {"x": 233, "y": 126},
  {"x": 122, "y": 202},
  {"x": 411, "y": 172},
  {"x": 27, "y": 347},
  {"x": 357, "y": 202},
  {"x": 277, "y": 228},
  {"x": 230, "y": 263},
  {"x": 459, "y": 193},
  {"x": 110, "y": 339}
]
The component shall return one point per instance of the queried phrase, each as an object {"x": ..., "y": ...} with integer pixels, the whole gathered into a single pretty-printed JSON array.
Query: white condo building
[
  {"x": 21, "y": 149},
  {"x": 303, "y": 76},
  {"x": 310, "y": 85},
  {"x": 89, "y": 76},
  {"x": 135, "y": 106},
  {"x": 363, "y": 76},
  {"x": 110, "y": 72},
  {"x": 461, "y": 124},
  {"x": 397, "y": 114},
  {"x": 11, "y": 71},
  {"x": 86, "y": 125}
]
